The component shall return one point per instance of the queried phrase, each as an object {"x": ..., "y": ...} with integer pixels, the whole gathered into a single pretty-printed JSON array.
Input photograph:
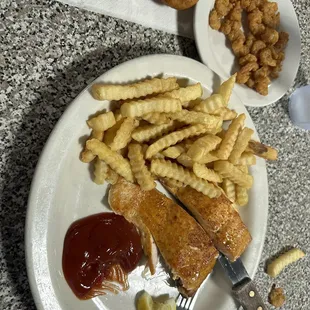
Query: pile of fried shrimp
[{"x": 260, "y": 50}]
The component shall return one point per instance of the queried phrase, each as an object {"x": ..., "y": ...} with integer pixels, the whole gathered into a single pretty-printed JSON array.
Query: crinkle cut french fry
[
  {"x": 203, "y": 146},
  {"x": 97, "y": 135},
  {"x": 242, "y": 196},
  {"x": 247, "y": 159},
  {"x": 226, "y": 88},
  {"x": 116, "y": 161},
  {"x": 185, "y": 160},
  {"x": 174, "y": 151},
  {"x": 139, "y": 169},
  {"x": 190, "y": 105},
  {"x": 193, "y": 117},
  {"x": 240, "y": 145},
  {"x": 123, "y": 134},
  {"x": 229, "y": 189},
  {"x": 225, "y": 113},
  {"x": 291, "y": 256},
  {"x": 210, "y": 104},
  {"x": 201, "y": 171},
  {"x": 221, "y": 133},
  {"x": 135, "y": 90},
  {"x": 148, "y": 132},
  {"x": 86, "y": 155},
  {"x": 165, "y": 168},
  {"x": 172, "y": 183},
  {"x": 262, "y": 150},
  {"x": 112, "y": 176},
  {"x": 102, "y": 121},
  {"x": 100, "y": 171},
  {"x": 230, "y": 137},
  {"x": 156, "y": 118},
  {"x": 229, "y": 171},
  {"x": 186, "y": 94},
  {"x": 118, "y": 115},
  {"x": 138, "y": 108},
  {"x": 110, "y": 134},
  {"x": 174, "y": 138},
  {"x": 208, "y": 158}
]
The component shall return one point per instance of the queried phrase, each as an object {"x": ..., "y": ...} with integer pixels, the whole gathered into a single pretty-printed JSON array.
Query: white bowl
[{"x": 216, "y": 52}]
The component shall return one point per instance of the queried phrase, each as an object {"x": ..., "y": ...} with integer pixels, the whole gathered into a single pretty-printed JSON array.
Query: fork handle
[{"x": 247, "y": 295}]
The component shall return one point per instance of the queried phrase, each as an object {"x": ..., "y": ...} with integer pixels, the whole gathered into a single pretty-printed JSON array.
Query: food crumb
[{"x": 276, "y": 296}]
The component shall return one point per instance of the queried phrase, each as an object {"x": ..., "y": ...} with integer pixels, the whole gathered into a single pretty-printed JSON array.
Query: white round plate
[
  {"x": 216, "y": 52},
  {"x": 62, "y": 192}
]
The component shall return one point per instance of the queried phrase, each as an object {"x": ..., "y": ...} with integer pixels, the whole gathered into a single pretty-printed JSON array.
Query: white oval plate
[
  {"x": 62, "y": 192},
  {"x": 216, "y": 53}
]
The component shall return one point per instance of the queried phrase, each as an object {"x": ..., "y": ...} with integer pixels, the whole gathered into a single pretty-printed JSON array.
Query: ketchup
[{"x": 95, "y": 244}]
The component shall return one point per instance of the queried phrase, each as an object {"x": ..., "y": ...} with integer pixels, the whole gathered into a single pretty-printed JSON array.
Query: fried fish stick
[
  {"x": 184, "y": 245},
  {"x": 136, "y": 90},
  {"x": 218, "y": 218}
]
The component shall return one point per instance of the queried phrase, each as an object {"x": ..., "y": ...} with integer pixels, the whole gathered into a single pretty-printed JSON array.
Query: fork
[{"x": 184, "y": 303}]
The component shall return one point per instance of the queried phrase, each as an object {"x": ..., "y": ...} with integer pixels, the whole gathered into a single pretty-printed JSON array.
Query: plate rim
[
  {"x": 31, "y": 210},
  {"x": 206, "y": 53}
]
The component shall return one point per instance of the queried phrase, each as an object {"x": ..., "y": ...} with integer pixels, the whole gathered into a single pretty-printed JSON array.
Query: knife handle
[{"x": 247, "y": 295}]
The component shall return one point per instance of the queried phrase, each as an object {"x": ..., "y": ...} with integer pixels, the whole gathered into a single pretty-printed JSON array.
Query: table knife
[{"x": 244, "y": 290}]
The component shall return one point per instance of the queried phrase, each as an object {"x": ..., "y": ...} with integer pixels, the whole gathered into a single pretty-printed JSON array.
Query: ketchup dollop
[{"x": 93, "y": 246}]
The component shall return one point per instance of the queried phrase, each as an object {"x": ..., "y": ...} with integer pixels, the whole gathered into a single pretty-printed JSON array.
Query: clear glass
[{"x": 299, "y": 107}]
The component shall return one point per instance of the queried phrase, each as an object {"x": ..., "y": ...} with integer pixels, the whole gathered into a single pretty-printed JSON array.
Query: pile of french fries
[{"x": 163, "y": 131}]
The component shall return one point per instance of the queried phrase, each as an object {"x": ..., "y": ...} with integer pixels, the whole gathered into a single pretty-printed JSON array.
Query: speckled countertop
[{"x": 49, "y": 53}]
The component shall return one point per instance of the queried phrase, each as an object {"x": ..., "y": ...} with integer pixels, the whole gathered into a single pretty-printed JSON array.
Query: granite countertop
[{"x": 49, "y": 53}]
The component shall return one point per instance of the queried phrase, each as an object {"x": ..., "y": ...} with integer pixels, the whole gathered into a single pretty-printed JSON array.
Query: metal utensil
[
  {"x": 244, "y": 289},
  {"x": 184, "y": 303}
]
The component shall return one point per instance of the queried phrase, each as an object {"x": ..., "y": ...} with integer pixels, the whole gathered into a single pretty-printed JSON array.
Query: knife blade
[{"x": 244, "y": 289}]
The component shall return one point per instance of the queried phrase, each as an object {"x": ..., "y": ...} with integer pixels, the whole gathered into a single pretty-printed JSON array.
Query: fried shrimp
[
  {"x": 265, "y": 58},
  {"x": 257, "y": 46},
  {"x": 282, "y": 42},
  {"x": 270, "y": 36},
  {"x": 244, "y": 73},
  {"x": 261, "y": 85},
  {"x": 214, "y": 20},
  {"x": 239, "y": 48},
  {"x": 223, "y": 7},
  {"x": 246, "y": 59},
  {"x": 255, "y": 19}
]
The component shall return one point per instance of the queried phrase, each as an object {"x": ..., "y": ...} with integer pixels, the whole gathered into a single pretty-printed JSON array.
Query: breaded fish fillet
[
  {"x": 219, "y": 219},
  {"x": 185, "y": 246}
]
